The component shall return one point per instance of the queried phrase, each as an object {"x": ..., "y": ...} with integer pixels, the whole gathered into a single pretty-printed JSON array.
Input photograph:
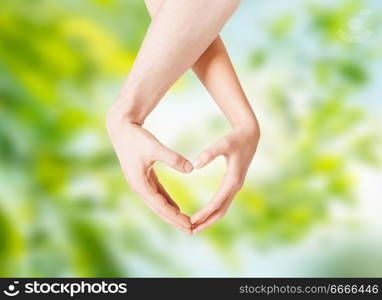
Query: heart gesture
[
  {"x": 137, "y": 151},
  {"x": 238, "y": 148},
  {"x": 174, "y": 43}
]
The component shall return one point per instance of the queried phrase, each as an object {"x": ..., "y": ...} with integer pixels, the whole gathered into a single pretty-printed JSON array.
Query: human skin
[
  {"x": 216, "y": 72},
  {"x": 147, "y": 83}
]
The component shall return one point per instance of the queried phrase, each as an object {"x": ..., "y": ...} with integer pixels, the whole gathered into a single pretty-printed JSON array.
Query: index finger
[
  {"x": 214, "y": 217},
  {"x": 230, "y": 185},
  {"x": 160, "y": 205},
  {"x": 168, "y": 212}
]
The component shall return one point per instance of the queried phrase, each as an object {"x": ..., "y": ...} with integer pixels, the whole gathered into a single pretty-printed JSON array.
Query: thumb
[
  {"x": 175, "y": 160},
  {"x": 209, "y": 154}
]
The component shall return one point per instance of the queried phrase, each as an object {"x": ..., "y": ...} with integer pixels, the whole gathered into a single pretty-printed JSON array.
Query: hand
[
  {"x": 238, "y": 147},
  {"x": 137, "y": 151}
]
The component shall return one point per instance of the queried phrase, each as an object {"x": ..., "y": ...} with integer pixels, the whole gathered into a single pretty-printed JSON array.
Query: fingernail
[
  {"x": 187, "y": 166},
  {"x": 197, "y": 163}
]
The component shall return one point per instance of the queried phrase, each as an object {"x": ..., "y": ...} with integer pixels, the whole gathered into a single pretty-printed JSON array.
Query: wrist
[
  {"x": 119, "y": 115},
  {"x": 129, "y": 107},
  {"x": 249, "y": 125}
]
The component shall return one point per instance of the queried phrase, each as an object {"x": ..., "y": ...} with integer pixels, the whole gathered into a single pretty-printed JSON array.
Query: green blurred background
[{"x": 311, "y": 205}]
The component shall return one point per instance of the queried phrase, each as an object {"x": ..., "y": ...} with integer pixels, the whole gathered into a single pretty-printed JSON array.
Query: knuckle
[
  {"x": 237, "y": 183},
  {"x": 226, "y": 143},
  {"x": 178, "y": 160},
  {"x": 173, "y": 161},
  {"x": 214, "y": 206},
  {"x": 134, "y": 189},
  {"x": 224, "y": 211},
  {"x": 221, "y": 214},
  {"x": 206, "y": 155}
]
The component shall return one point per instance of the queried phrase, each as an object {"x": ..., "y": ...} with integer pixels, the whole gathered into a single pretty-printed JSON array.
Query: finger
[
  {"x": 169, "y": 213},
  {"x": 216, "y": 216},
  {"x": 208, "y": 155},
  {"x": 167, "y": 196},
  {"x": 159, "y": 204},
  {"x": 214, "y": 206},
  {"x": 144, "y": 185},
  {"x": 162, "y": 190},
  {"x": 174, "y": 160},
  {"x": 229, "y": 186}
]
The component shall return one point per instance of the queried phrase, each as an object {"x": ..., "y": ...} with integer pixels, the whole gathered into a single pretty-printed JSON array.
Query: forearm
[
  {"x": 173, "y": 43},
  {"x": 216, "y": 72}
]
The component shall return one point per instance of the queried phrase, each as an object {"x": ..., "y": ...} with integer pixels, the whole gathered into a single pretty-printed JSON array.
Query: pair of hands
[{"x": 138, "y": 150}]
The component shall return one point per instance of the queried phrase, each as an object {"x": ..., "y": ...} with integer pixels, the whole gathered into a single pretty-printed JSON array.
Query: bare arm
[
  {"x": 216, "y": 72},
  {"x": 174, "y": 41}
]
